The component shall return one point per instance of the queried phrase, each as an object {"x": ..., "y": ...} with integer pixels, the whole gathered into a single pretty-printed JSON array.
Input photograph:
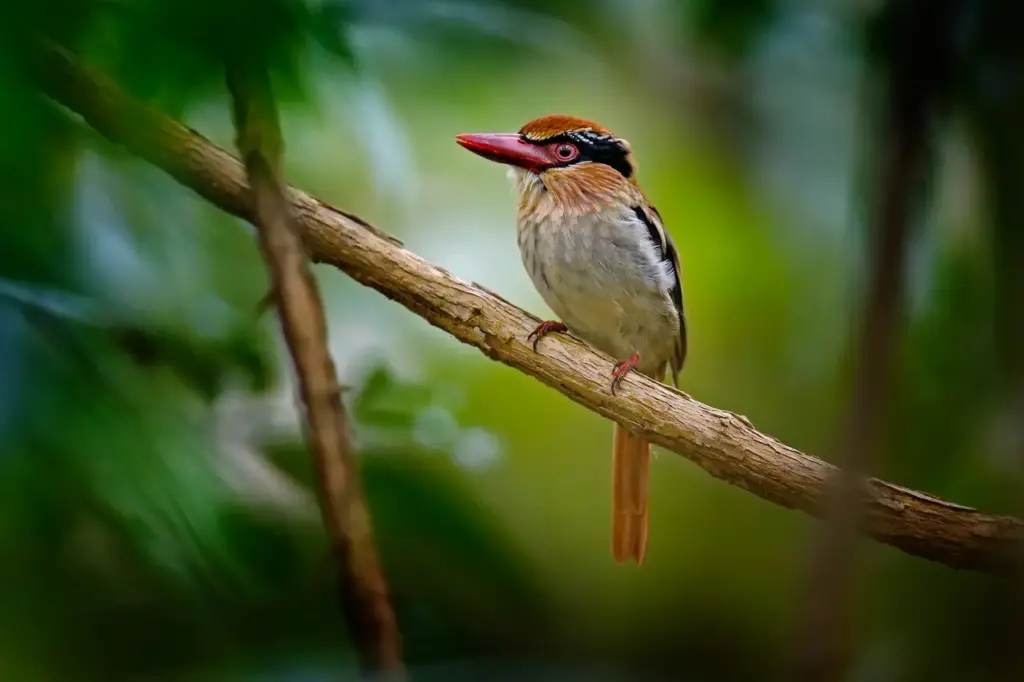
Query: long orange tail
[{"x": 631, "y": 474}]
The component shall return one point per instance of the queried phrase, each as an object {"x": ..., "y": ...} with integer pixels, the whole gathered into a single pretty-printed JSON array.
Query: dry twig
[{"x": 363, "y": 590}]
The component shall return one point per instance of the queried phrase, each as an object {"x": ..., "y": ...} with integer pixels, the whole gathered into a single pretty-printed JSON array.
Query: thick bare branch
[
  {"x": 724, "y": 444},
  {"x": 363, "y": 590}
]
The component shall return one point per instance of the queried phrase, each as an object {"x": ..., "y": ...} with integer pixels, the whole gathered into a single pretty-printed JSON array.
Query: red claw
[
  {"x": 545, "y": 328},
  {"x": 622, "y": 368}
]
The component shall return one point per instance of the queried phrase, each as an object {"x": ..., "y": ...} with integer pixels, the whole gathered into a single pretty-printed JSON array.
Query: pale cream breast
[{"x": 599, "y": 272}]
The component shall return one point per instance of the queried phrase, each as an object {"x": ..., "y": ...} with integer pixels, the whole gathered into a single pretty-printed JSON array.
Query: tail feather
[{"x": 631, "y": 469}]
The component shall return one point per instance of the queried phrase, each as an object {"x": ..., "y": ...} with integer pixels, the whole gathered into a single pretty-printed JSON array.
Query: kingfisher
[{"x": 599, "y": 255}]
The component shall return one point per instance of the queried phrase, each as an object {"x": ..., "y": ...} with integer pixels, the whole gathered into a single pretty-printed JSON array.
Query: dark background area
[{"x": 156, "y": 515}]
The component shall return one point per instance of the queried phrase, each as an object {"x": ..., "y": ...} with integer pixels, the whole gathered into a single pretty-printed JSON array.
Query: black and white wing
[{"x": 650, "y": 217}]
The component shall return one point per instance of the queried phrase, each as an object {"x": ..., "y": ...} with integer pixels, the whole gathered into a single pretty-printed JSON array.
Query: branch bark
[
  {"x": 363, "y": 590},
  {"x": 724, "y": 444}
]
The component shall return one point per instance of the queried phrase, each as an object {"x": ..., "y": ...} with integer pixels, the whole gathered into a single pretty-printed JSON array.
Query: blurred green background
[{"x": 156, "y": 519}]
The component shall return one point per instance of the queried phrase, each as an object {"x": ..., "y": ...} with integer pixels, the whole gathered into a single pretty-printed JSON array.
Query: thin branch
[
  {"x": 832, "y": 576},
  {"x": 913, "y": 78},
  {"x": 363, "y": 590},
  {"x": 724, "y": 444}
]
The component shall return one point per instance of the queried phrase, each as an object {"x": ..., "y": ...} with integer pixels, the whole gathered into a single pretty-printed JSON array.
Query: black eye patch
[{"x": 596, "y": 148}]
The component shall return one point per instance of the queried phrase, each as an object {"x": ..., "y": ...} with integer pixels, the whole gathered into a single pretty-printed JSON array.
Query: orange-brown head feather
[{"x": 546, "y": 127}]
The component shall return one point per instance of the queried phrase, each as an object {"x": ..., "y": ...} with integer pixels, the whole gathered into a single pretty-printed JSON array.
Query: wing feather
[{"x": 661, "y": 239}]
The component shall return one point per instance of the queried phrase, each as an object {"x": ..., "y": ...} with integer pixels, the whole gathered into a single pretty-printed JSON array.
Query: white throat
[{"x": 524, "y": 181}]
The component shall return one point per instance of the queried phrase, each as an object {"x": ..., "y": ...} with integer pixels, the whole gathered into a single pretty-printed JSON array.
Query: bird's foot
[
  {"x": 545, "y": 328},
  {"x": 622, "y": 368}
]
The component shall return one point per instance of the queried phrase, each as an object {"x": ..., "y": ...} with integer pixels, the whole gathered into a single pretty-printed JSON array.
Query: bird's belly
[{"x": 603, "y": 295}]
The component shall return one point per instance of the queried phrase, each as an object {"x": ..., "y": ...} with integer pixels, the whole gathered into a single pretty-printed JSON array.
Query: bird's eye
[{"x": 566, "y": 152}]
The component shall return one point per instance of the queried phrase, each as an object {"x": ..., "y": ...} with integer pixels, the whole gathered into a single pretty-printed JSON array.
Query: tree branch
[
  {"x": 908, "y": 100},
  {"x": 724, "y": 444},
  {"x": 363, "y": 590}
]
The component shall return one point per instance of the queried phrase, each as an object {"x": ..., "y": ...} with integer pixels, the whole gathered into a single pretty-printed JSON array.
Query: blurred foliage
[
  {"x": 730, "y": 28},
  {"x": 157, "y": 517}
]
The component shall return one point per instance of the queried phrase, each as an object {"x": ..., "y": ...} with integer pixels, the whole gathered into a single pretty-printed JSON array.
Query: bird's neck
[{"x": 567, "y": 194}]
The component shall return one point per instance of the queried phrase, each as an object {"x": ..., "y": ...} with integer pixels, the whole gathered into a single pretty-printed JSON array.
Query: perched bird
[{"x": 601, "y": 259}]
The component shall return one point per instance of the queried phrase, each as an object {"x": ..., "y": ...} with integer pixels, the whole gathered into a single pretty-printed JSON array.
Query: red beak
[{"x": 506, "y": 148}]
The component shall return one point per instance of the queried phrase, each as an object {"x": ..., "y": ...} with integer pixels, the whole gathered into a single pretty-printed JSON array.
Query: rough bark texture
[
  {"x": 724, "y": 444},
  {"x": 362, "y": 588}
]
